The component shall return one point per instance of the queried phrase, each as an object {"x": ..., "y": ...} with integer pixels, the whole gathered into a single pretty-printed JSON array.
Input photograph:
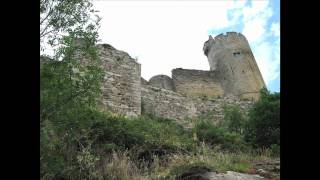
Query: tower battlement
[{"x": 222, "y": 40}]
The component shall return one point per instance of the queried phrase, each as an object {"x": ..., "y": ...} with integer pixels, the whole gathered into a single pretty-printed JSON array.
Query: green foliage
[
  {"x": 275, "y": 149},
  {"x": 215, "y": 135},
  {"x": 263, "y": 127},
  {"x": 116, "y": 130},
  {"x": 66, "y": 146},
  {"x": 62, "y": 18},
  {"x": 162, "y": 131},
  {"x": 234, "y": 119}
]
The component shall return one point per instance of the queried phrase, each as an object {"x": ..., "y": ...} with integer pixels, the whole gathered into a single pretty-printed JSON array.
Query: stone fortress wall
[
  {"x": 197, "y": 83},
  {"x": 234, "y": 78},
  {"x": 121, "y": 87}
]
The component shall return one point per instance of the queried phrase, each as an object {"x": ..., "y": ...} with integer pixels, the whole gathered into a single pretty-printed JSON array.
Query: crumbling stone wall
[
  {"x": 165, "y": 103},
  {"x": 197, "y": 83},
  {"x": 214, "y": 108},
  {"x": 121, "y": 87},
  {"x": 173, "y": 105}
]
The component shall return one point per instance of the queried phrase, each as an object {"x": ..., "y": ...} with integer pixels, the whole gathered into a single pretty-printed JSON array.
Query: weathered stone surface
[
  {"x": 121, "y": 88},
  {"x": 204, "y": 173},
  {"x": 195, "y": 173},
  {"x": 165, "y": 103},
  {"x": 214, "y": 108},
  {"x": 197, "y": 83},
  {"x": 230, "y": 175},
  {"x": 144, "y": 82},
  {"x": 173, "y": 105},
  {"x": 269, "y": 168},
  {"x": 231, "y": 57},
  {"x": 162, "y": 81}
]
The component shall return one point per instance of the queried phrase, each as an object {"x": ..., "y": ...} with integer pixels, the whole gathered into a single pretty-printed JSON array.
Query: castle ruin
[{"x": 233, "y": 78}]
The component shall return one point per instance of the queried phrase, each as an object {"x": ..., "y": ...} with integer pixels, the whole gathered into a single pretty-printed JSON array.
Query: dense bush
[
  {"x": 215, "y": 135},
  {"x": 263, "y": 127},
  {"x": 65, "y": 144},
  {"x": 234, "y": 119}
]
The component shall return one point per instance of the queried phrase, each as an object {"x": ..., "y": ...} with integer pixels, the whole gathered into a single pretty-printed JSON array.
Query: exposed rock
[
  {"x": 203, "y": 173},
  {"x": 230, "y": 175},
  {"x": 269, "y": 168},
  {"x": 195, "y": 173}
]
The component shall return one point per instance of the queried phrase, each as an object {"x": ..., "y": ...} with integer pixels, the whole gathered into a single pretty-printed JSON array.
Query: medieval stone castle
[{"x": 234, "y": 78}]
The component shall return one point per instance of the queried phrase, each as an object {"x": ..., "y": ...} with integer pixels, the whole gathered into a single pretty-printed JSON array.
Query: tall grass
[{"x": 121, "y": 166}]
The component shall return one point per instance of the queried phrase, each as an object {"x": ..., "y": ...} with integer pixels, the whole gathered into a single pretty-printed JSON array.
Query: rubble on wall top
[{"x": 228, "y": 35}]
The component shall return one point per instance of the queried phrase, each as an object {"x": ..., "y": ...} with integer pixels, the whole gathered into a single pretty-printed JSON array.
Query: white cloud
[
  {"x": 267, "y": 61},
  {"x": 275, "y": 29},
  {"x": 254, "y": 29},
  {"x": 170, "y": 34},
  {"x": 255, "y": 19}
]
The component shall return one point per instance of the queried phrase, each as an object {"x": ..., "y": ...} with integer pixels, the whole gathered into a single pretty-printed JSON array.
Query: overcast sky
[{"x": 164, "y": 35}]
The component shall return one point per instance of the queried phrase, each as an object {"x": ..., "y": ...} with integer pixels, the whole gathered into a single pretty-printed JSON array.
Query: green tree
[
  {"x": 234, "y": 119},
  {"x": 74, "y": 75},
  {"x": 59, "y": 18},
  {"x": 263, "y": 127},
  {"x": 70, "y": 83}
]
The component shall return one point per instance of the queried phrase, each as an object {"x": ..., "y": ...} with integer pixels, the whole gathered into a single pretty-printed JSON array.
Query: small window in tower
[{"x": 236, "y": 53}]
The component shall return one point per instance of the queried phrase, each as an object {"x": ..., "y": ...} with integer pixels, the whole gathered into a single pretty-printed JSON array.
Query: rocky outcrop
[
  {"x": 269, "y": 168},
  {"x": 230, "y": 175},
  {"x": 203, "y": 173}
]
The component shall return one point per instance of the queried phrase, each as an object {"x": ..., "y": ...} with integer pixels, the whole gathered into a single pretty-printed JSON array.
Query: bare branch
[
  {"x": 49, "y": 13},
  {"x": 44, "y": 34}
]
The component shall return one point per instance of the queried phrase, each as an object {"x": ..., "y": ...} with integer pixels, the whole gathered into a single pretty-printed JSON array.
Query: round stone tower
[
  {"x": 231, "y": 57},
  {"x": 162, "y": 81}
]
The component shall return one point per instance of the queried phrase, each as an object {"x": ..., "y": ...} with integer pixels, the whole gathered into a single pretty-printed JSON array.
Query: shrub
[
  {"x": 211, "y": 134},
  {"x": 234, "y": 119},
  {"x": 115, "y": 130},
  {"x": 263, "y": 127},
  {"x": 275, "y": 149}
]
